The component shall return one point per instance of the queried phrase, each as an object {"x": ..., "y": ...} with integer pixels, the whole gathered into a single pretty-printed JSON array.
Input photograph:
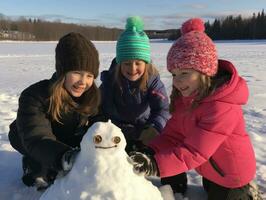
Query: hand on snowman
[
  {"x": 148, "y": 134},
  {"x": 68, "y": 159},
  {"x": 144, "y": 164}
]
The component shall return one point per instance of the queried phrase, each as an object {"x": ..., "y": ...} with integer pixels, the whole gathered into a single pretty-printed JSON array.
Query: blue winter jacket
[{"x": 130, "y": 108}]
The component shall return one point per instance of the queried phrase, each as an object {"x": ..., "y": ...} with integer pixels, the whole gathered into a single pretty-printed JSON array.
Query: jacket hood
[{"x": 235, "y": 91}]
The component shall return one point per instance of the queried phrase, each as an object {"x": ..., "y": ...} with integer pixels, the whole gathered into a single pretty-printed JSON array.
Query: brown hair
[
  {"x": 150, "y": 70},
  {"x": 207, "y": 86},
  {"x": 74, "y": 53},
  {"x": 60, "y": 101}
]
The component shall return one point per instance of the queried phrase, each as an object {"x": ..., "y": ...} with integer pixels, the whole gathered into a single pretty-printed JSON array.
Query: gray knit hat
[{"x": 75, "y": 53}]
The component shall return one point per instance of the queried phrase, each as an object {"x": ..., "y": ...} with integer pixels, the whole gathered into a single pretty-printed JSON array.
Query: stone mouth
[{"x": 100, "y": 147}]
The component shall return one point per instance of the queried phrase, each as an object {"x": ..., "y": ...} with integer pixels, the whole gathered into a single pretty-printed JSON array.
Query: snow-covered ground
[{"x": 23, "y": 63}]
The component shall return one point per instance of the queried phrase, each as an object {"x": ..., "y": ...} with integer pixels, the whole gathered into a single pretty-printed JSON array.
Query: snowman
[{"x": 102, "y": 171}]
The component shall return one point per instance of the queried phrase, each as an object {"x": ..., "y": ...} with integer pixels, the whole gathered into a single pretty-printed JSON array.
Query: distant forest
[
  {"x": 227, "y": 28},
  {"x": 36, "y": 29},
  {"x": 238, "y": 28},
  {"x": 231, "y": 28}
]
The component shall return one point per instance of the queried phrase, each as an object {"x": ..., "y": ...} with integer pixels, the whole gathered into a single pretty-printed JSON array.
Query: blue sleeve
[{"x": 158, "y": 102}]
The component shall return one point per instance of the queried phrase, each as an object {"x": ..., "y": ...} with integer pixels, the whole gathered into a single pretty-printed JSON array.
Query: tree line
[
  {"x": 238, "y": 28},
  {"x": 227, "y": 28},
  {"x": 36, "y": 29},
  {"x": 231, "y": 28}
]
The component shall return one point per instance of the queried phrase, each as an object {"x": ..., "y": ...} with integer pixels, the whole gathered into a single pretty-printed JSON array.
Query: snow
[
  {"x": 102, "y": 171},
  {"x": 24, "y": 63}
]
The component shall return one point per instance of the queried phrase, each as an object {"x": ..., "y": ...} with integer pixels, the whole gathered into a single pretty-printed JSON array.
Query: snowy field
[{"x": 23, "y": 63}]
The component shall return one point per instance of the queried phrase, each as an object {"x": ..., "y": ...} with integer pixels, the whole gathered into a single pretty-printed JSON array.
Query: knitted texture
[
  {"x": 75, "y": 53},
  {"x": 193, "y": 50},
  {"x": 133, "y": 43}
]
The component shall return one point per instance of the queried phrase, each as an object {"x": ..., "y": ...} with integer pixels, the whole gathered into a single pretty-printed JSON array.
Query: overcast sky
[{"x": 157, "y": 14}]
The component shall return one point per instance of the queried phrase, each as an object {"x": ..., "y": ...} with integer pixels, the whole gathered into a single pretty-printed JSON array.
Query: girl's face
[
  {"x": 186, "y": 81},
  {"x": 78, "y": 82},
  {"x": 133, "y": 69}
]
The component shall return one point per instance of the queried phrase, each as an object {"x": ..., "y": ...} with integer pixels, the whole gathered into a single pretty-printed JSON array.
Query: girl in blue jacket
[{"x": 133, "y": 96}]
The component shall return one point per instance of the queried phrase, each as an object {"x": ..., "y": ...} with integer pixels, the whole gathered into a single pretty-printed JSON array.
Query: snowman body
[{"x": 102, "y": 171}]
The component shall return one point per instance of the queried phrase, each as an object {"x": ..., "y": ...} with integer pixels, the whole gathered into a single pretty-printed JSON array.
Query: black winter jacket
[{"x": 34, "y": 134}]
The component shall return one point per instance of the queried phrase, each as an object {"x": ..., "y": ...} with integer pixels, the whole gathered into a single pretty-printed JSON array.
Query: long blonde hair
[
  {"x": 150, "y": 70},
  {"x": 61, "y": 102},
  {"x": 207, "y": 86}
]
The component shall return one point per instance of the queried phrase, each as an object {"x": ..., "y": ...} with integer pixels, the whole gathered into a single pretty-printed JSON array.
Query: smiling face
[
  {"x": 78, "y": 82},
  {"x": 133, "y": 69},
  {"x": 186, "y": 81}
]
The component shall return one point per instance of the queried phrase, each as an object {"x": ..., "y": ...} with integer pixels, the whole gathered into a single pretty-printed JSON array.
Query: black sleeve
[
  {"x": 34, "y": 128},
  {"x": 97, "y": 118},
  {"x": 107, "y": 89}
]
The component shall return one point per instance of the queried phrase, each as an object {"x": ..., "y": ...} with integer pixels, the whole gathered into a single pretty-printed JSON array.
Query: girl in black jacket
[{"x": 54, "y": 114}]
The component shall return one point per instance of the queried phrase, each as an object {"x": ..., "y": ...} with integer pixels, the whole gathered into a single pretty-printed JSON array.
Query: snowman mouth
[{"x": 99, "y": 147}]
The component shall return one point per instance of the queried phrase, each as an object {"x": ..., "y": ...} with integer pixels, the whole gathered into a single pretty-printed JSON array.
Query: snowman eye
[
  {"x": 116, "y": 139},
  {"x": 97, "y": 139}
]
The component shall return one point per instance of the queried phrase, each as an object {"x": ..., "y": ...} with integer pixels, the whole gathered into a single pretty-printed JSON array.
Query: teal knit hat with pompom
[{"x": 133, "y": 43}]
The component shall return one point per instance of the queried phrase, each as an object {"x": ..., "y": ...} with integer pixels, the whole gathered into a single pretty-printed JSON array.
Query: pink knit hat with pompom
[{"x": 193, "y": 50}]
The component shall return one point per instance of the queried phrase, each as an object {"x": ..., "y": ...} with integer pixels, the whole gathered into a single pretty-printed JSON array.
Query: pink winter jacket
[{"x": 211, "y": 138}]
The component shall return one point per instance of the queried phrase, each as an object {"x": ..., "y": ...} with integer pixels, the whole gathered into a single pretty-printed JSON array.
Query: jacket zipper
[{"x": 216, "y": 168}]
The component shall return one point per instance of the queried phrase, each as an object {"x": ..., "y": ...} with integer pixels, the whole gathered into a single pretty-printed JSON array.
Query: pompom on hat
[
  {"x": 193, "y": 50},
  {"x": 133, "y": 43}
]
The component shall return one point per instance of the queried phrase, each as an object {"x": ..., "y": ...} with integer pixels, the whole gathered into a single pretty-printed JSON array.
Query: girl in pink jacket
[{"x": 207, "y": 130}]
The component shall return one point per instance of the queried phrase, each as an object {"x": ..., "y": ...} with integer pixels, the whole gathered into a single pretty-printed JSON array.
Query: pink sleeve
[
  {"x": 202, "y": 140},
  {"x": 169, "y": 137}
]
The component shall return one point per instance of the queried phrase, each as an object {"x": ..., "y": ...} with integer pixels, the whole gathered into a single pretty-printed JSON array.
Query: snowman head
[{"x": 104, "y": 137}]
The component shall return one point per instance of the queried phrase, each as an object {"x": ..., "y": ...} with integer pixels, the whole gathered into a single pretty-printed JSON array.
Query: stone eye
[
  {"x": 97, "y": 139},
  {"x": 116, "y": 139}
]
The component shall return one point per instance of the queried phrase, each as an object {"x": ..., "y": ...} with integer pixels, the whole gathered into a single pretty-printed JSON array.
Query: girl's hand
[
  {"x": 68, "y": 159},
  {"x": 148, "y": 134},
  {"x": 143, "y": 164}
]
